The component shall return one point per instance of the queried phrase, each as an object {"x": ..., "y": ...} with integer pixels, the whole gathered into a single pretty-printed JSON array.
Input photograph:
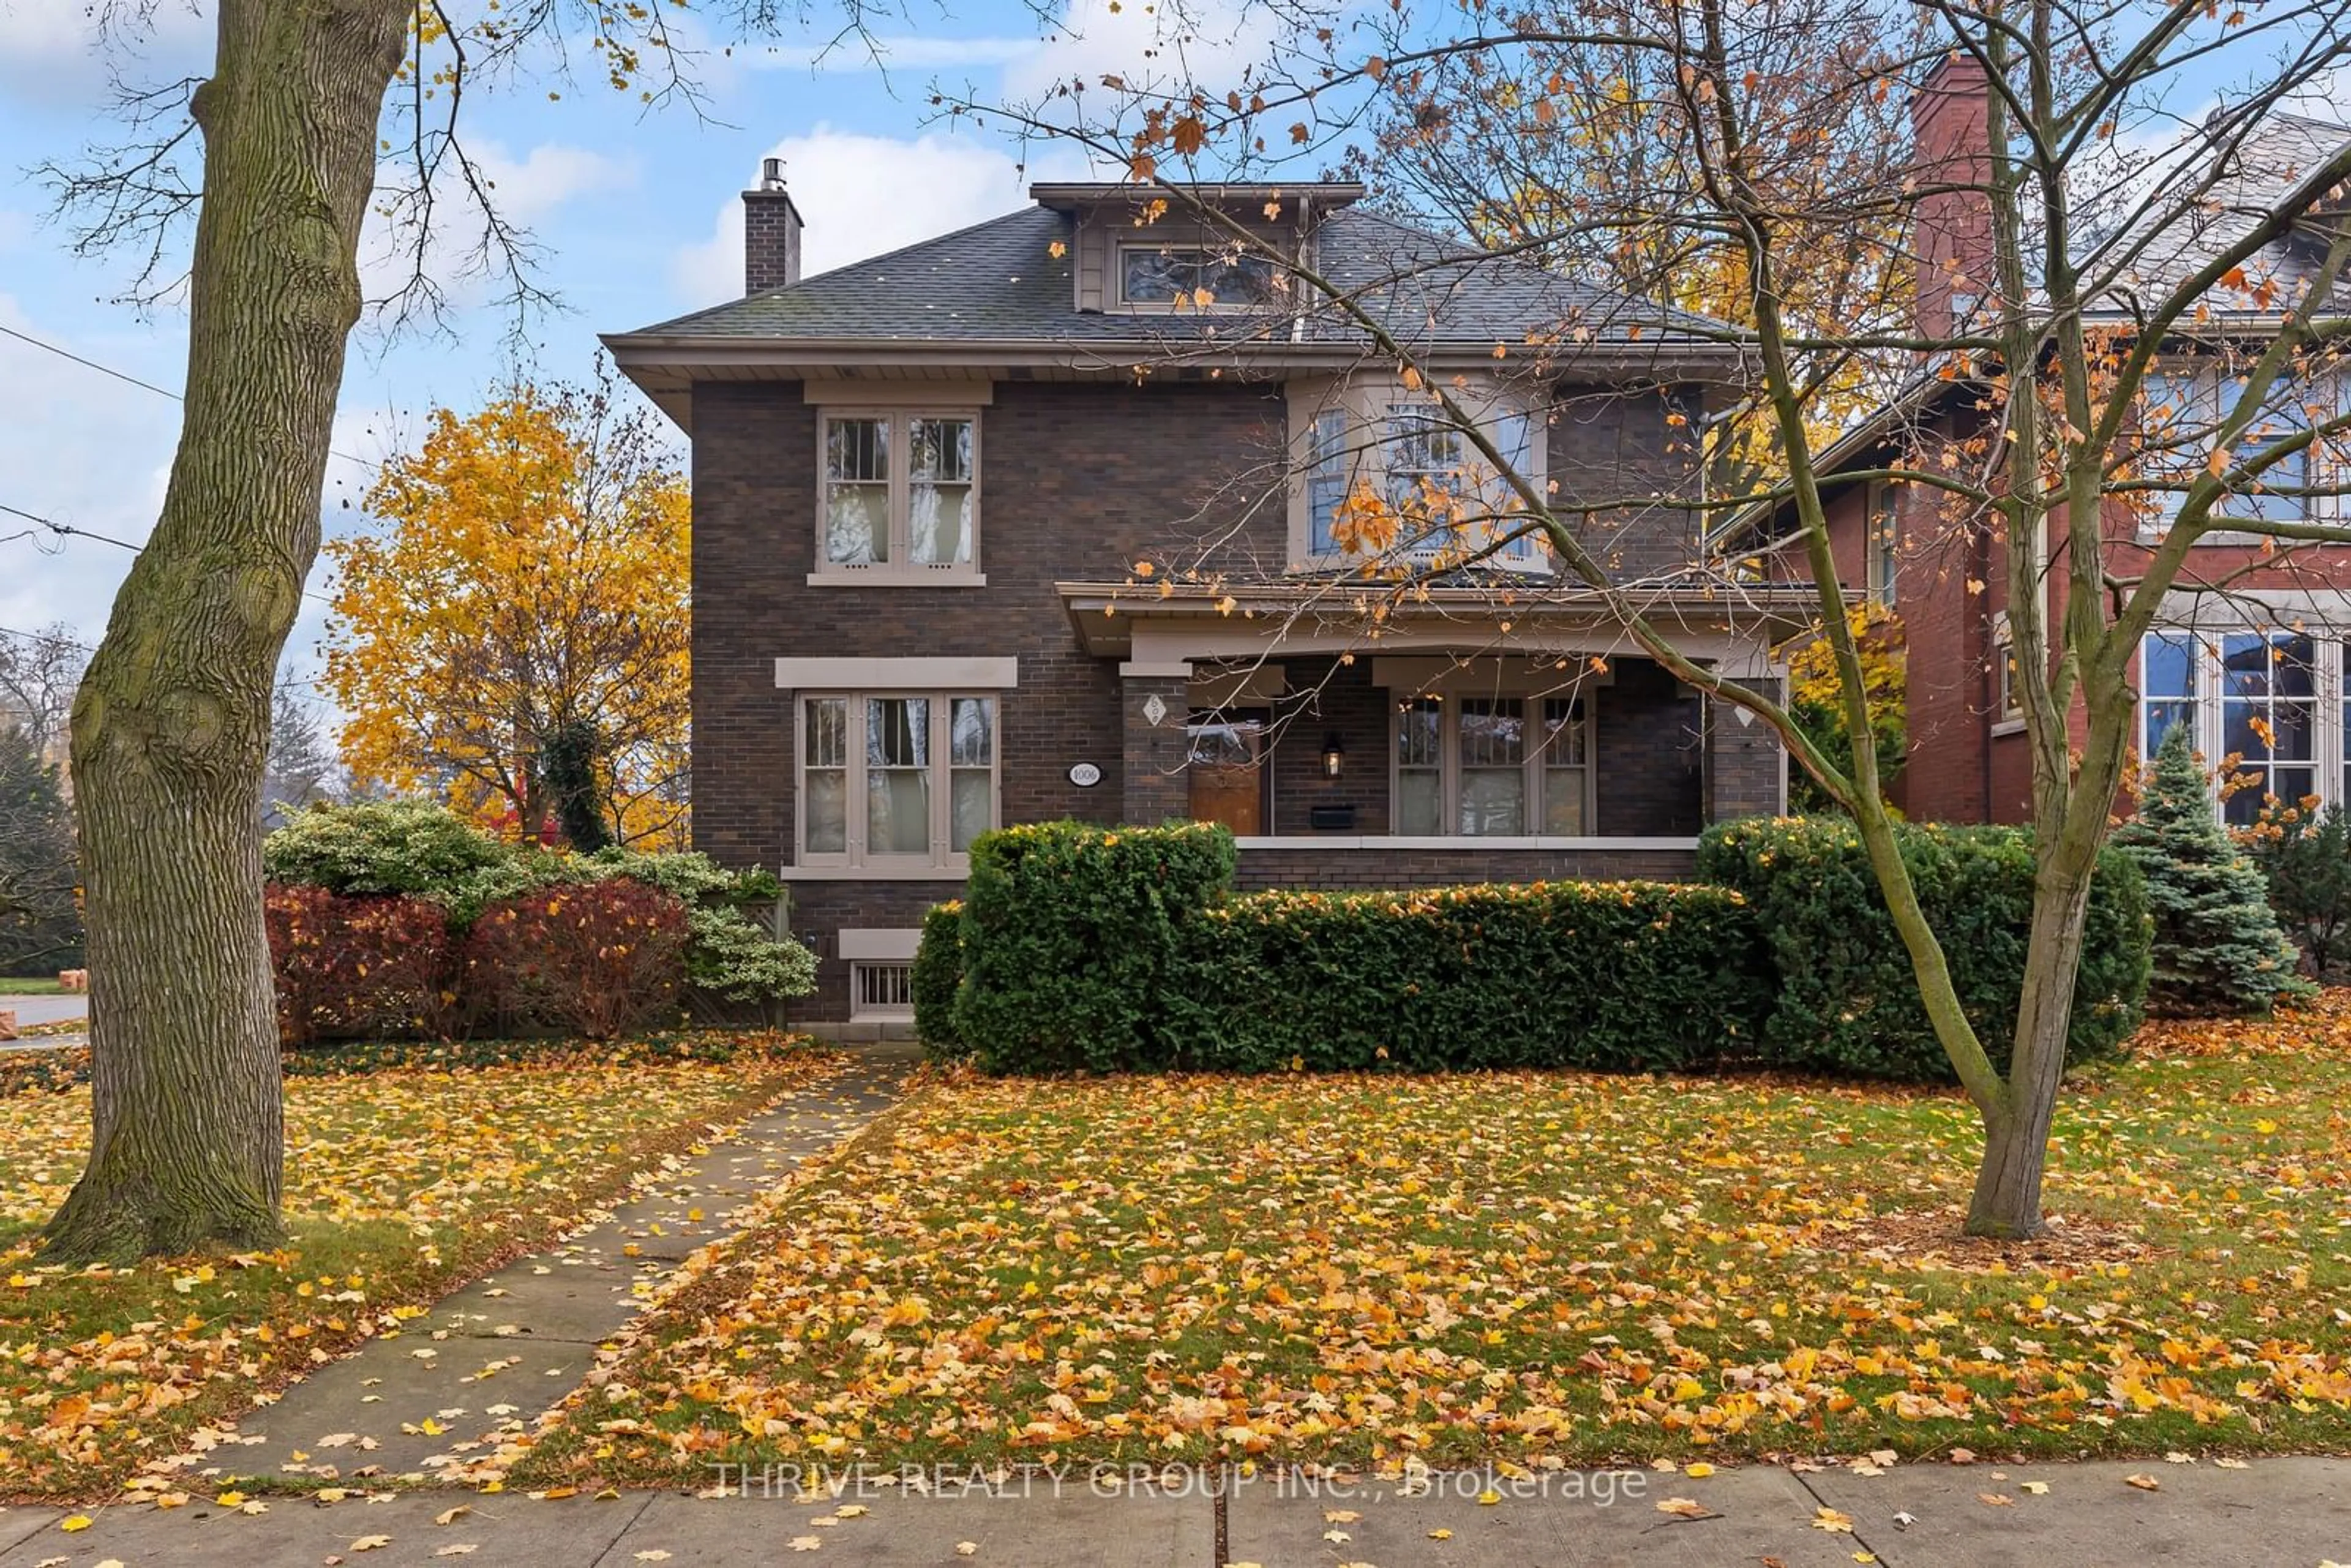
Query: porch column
[
  {"x": 1746, "y": 766},
  {"x": 1154, "y": 702}
]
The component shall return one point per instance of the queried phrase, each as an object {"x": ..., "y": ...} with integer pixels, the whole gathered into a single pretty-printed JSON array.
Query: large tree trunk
[
  {"x": 171, "y": 732},
  {"x": 2007, "y": 1201}
]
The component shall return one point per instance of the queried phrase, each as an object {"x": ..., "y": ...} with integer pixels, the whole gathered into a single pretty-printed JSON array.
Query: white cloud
[
  {"x": 1209, "y": 44},
  {"x": 526, "y": 192},
  {"x": 863, "y": 195},
  {"x": 56, "y": 52}
]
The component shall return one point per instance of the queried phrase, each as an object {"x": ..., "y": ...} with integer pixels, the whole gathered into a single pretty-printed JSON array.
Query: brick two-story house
[
  {"x": 1044, "y": 519},
  {"x": 2253, "y": 648}
]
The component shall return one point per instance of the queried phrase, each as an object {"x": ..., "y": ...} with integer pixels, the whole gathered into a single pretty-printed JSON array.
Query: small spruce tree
[{"x": 2217, "y": 945}]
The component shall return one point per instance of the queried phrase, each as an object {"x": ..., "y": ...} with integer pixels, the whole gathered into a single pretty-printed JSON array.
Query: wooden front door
[{"x": 1227, "y": 767}]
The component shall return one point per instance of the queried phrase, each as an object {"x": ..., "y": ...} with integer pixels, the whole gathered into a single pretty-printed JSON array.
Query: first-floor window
[
  {"x": 905, "y": 779},
  {"x": 2256, "y": 696},
  {"x": 1491, "y": 767}
]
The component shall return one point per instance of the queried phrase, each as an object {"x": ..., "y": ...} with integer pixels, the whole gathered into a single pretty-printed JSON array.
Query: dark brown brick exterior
[{"x": 1078, "y": 481}]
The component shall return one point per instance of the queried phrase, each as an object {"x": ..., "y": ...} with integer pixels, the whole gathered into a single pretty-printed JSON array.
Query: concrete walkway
[
  {"x": 2273, "y": 1511},
  {"x": 45, "y": 1008}
]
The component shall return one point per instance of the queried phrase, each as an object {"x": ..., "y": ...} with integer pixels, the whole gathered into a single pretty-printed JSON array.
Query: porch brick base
[{"x": 1336, "y": 870}]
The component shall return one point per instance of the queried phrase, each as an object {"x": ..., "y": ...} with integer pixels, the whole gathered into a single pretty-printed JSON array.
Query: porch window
[
  {"x": 1491, "y": 767},
  {"x": 900, "y": 495},
  {"x": 895, "y": 779}
]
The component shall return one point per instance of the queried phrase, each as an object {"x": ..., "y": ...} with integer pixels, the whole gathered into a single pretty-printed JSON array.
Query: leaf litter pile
[
  {"x": 399, "y": 1186},
  {"x": 1517, "y": 1268}
]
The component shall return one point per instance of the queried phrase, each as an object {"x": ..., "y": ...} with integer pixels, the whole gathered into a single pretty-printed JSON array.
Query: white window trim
[
  {"x": 1881, "y": 546},
  {"x": 901, "y": 570},
  {"x": 1365, "y": 400},
  {"x": 942, "y": 862},
  {"x": 2008, "y": 715},
  {"x": 2214, "y": 380},
  {"x": 1536, "y": 767},
  {"x": 2331, "y": 681},
  {"x": 1116, "y": 282}
]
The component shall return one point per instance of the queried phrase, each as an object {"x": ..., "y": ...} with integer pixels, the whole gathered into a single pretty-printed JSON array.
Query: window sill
[
  {"x": 2008, "y": 726},
  {"x": 953, "y": 871},
  {"x": 897, "y": 580}
]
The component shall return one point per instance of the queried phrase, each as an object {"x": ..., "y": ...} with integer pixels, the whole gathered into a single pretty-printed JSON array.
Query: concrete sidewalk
[
  {"x": 2273, "y": 1511},
  {"x": 51, "y": 1008}
]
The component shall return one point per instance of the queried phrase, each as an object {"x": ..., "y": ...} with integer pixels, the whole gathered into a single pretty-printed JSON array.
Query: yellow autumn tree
[{"x": 520, "y": 593}]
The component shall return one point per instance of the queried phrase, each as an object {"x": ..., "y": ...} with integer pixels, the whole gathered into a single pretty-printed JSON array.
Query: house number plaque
[
  {"x": 1154, "y": 708},
  {"x": 1085, "y": 775}
]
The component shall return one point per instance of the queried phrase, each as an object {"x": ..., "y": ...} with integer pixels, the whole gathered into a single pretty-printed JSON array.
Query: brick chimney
[
  {"x": 1951, "y": 146},
  {"x": 771, "y": 231}
]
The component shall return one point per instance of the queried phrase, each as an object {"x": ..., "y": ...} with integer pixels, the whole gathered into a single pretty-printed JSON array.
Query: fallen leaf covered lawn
[
  {"x": 1517, "y": 1267},
  {"x": 399, "y": 1186}
]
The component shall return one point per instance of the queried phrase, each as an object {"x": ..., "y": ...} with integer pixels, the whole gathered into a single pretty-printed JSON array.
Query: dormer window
[{"x": 1168, "y": 277}]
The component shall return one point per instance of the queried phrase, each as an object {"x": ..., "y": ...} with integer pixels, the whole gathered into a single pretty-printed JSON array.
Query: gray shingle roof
[
  {"x": 2274, "y": 158},
  {"x": 999, "y": 282}
]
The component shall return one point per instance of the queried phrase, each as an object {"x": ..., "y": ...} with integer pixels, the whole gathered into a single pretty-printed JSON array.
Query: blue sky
[{"x": 638, "y": 214}]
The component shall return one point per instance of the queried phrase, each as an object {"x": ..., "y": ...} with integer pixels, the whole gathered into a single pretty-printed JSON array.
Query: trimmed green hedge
[
  {"x": 1084, "y": 948},
  {"x": 1620, "y": 976},
  {"x": 938, "y": 970},
  {"x": 1070, "y": 936},
  {"x": 1845, "y": 1000}
]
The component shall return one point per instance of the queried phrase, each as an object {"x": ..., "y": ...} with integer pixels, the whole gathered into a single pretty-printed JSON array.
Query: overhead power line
[
  {"x": 68, "y": 530},
  {"x": 126, "y": 376}
]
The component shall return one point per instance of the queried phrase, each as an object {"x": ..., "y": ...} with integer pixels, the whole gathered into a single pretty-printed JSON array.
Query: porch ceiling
[{"x": 1139, "y": 622}]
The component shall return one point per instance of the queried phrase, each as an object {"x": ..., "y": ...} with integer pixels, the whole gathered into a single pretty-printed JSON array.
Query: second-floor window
[
  {"x": 1391, "y": 475},
  {"x": 900, "y": 494},
  {"x": 2182, "y": 407}
]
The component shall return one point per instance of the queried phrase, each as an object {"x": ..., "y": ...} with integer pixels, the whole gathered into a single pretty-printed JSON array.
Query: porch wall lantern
[{"x": 1334, "y": 757}]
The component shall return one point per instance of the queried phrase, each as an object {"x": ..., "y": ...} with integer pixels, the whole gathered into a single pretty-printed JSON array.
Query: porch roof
[{"x": 1144, "y": 620}]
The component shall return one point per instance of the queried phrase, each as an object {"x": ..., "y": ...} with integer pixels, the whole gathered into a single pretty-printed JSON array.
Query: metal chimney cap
[{"x": 771, "y": 174}]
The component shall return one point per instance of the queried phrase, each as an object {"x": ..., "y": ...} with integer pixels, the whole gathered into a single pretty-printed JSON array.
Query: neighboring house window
[
  {"x": 1493, "y": 766},
  {"x": 2255, "y": 695},
  {"x": 1387, "y": 475},
  {"x": 2007, "y": 704},
  {"x": 2180, "y": 413},
  {"x": 900, "y": 495},
  {"x": 895, "y": 779},
  {"x": 1196, "y": 277},
  {"x": 1881, "y": 543}
]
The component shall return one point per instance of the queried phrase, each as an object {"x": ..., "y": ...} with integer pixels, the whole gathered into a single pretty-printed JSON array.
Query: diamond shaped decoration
[{"x": 1154, "y": 708}]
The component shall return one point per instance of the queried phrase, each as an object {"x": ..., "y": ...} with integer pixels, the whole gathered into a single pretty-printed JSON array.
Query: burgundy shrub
[
  {"x": 597, "y": 959},
  {"x": 352, "y": 967}
]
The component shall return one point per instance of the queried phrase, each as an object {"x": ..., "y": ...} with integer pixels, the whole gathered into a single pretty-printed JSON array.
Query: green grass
[
  {"x": 1522, "y": 1267},
  {"x": 23, "y": 986},
  {"x": 402, "y": 1183}
]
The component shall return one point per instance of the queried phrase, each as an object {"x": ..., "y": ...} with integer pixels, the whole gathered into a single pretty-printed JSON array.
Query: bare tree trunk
[
  {"x": 171, "y": 732},
  {"x": 2007, "y": 1200}
]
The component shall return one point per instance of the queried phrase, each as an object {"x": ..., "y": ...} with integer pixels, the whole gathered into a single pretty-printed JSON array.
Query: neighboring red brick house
[
  {"x": 2254, "y": 648},
  {"x": 1043, "y": 519}
]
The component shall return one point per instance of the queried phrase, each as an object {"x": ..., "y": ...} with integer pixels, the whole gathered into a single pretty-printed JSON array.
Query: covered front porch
[{"x": 1457, "y": 740}]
